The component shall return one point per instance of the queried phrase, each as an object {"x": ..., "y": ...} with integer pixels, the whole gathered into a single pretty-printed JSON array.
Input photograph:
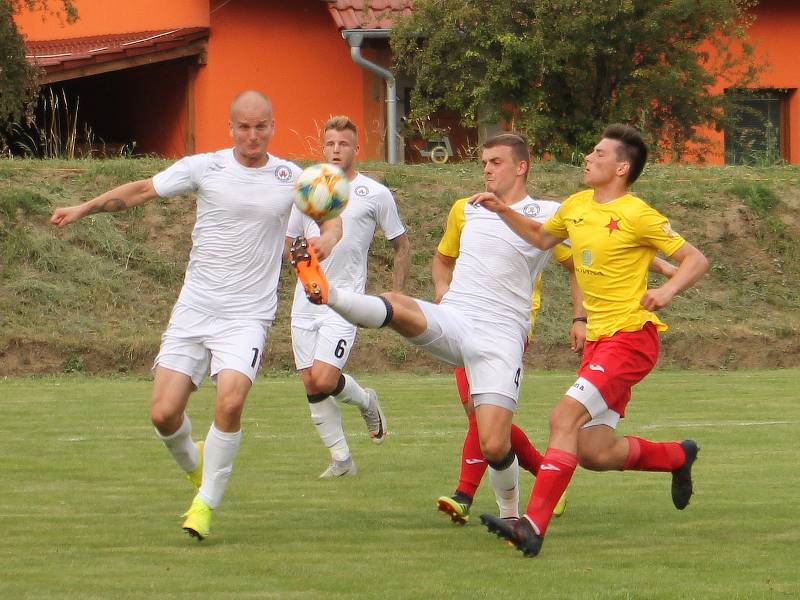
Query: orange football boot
[{"x": 309, "y": 271}]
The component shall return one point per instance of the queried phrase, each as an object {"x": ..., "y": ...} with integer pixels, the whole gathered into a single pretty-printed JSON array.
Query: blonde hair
[{"x": 341, "y": 123}]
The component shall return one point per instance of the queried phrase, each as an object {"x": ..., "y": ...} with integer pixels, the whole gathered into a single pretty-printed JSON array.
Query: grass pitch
[{"x": 90, "y": 501}]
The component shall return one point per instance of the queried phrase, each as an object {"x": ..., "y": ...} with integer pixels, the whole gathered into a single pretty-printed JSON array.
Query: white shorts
[
  {"x": 491, "y": 355},
  {"x": 585, "y": 392},
  {"x": 329, "y": 340},
  {"x": 194, "y": 341}
]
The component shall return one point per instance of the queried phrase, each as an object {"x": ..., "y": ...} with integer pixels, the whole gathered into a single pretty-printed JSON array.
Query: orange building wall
[
  {"x": 293, "y": 52},
  {"x": 102, "y": 17},
  {"x": 775, "y": 37}
]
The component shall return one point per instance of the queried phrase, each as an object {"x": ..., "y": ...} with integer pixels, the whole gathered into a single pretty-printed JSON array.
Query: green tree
[
  {"x": 563, "y": 69},
  {"x": 18, "y": 85}
]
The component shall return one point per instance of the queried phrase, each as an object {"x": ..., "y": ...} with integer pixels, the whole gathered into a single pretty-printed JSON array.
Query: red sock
[
  {"x": 553, "y": 478},
  {"x": 462, "y": 384},
  {"x": 644, "y": 455},
  {"x": 528, "y": 456},
  {"x": 473, "y": 464}
]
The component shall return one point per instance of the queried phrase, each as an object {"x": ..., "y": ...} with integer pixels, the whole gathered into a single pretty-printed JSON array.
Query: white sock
[
  {"x": 181, "y": 446},
  {"x": 328, "y": 420},
  {"x": 506, "y": 489},
  {"x": 220, "y": 450},
  {"x": 353, "y": 393},
  {"x": 359, "y": 309}
]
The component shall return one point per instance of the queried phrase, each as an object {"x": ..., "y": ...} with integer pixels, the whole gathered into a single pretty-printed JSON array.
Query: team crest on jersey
[
  {"x": 586, "y": 258},
  {"x": 667, "y": 229},
  {"x": 361, "y": 190},
  {"x": 283, "y": 173},
  {"x": 531, "y": 210}
]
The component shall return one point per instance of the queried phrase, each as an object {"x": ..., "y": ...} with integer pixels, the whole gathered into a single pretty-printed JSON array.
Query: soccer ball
[{"x": 322, "y": 191}]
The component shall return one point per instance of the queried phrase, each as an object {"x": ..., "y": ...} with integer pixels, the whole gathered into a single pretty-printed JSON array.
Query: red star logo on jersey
[{"x": 613, "y": 225}]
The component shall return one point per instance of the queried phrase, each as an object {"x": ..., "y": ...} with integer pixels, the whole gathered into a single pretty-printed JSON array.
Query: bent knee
[
  {"x": 165, "y": 417},
  {"x": 495, "y": 450},
  {"x": 321, "y": 384},
  {"x": 567, "y": 417},
  {"x": 230, "y": 404}
]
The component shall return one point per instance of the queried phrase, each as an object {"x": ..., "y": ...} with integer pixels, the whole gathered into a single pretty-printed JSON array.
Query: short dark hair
[
  {"x": 517, "y": 142},
  {"x": 631, "y": 149}
]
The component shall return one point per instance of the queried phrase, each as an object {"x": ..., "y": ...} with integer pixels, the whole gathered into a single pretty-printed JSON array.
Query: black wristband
[{"x": 581, "y": 319}]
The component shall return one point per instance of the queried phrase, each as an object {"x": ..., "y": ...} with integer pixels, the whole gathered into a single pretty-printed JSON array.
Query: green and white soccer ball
[{"x": 322, "y": 191}]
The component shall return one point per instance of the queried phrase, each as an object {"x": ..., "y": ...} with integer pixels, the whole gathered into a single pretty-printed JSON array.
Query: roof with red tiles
[
  {"x": 368, "y": 14},
  {"x": 66, "y": 54}
]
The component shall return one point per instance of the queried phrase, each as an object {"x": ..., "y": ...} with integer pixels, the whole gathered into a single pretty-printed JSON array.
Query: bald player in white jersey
[
  {"x": 321, "y": 339},
  {"x": 483, "y": 319},
  {"x": 226, "y": 306}
]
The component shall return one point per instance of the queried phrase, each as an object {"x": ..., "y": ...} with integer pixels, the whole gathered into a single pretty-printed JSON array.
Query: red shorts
[{"x": 616, "y": 363}]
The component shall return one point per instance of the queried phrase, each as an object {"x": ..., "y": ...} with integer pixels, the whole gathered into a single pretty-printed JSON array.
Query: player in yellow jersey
[
  {"x": 473, "y": 464},
  {"x": 614, "y": 236}
]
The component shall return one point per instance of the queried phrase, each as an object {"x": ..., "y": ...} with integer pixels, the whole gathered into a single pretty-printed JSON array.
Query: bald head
[
  {"x": 250, "y": 101},
  {"x": 251, "y": 128}
]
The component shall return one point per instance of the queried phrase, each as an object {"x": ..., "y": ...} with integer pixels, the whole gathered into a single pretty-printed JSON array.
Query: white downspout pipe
[{"x": 355, "y": 37}]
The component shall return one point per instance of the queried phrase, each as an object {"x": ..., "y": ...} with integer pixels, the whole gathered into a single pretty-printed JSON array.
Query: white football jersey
[
  {"x": 238, "y": 237},
  {"x": 370, "y": 204},
  {"x": 496, "y": 269}
]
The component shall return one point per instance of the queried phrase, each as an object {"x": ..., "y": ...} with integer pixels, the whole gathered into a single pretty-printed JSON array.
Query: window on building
[{"x": 756, "y": 134}]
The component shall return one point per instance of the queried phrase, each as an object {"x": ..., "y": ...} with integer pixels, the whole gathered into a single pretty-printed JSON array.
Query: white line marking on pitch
[{"x": 721, "y": 424}]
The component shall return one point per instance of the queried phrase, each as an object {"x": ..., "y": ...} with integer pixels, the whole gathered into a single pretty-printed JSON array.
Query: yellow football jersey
[
  {"x": 613, "y": 245},
  {"x": 450, "y": 245}
]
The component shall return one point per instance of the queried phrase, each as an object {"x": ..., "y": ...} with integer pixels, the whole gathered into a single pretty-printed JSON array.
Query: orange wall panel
[
  {"x": 291, "y": 51},
  {"x": 774, "y": 36},
  {"x": 102, "y": 17}
]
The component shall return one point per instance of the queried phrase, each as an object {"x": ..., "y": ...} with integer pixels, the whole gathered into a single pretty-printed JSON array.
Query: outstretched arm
[
  {"x": 402, "y": 262},
  {"x": 120, "y": 198},
  {"x": 529, "y": 230},
  {"x": 693, "y": 265}
]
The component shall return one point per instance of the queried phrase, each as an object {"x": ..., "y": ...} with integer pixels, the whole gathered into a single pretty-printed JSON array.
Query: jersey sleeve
[
  {"x": 295, "y": 227},
  {"x": 300, "y": 224},
  {"x": 562, "y": 251},
  {"x": 654, "y": 229},
  {"x": 182, "y": 177},
  {"x": 556, "y": 225},
  {"x": 389, "y": 216},
  {"x": 450, "y": 244}
]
